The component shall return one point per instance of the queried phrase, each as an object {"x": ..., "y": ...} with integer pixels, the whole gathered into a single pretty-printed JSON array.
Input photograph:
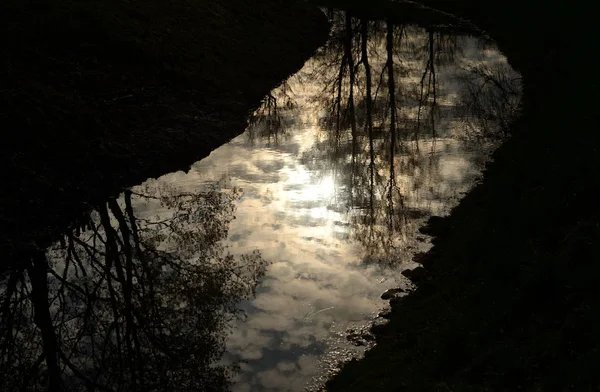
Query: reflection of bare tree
[
  {"x": 490, "y": 99},
  {"x": 366, "y": 182},
  {"x": 393, "y": 189},
  {"x": 130, "y": 302},
  {"x": 349, "y": 55},
  {"x": 440, "y": 49},
  {"x": 369, "y": 115},
  {"x": 389, "y": 64},
  {"x": 274, "y": 117},
  {"x": 429, "y": 93},
  {"x": 379, "y": 82},
  {"x": 335, "y": 71}
]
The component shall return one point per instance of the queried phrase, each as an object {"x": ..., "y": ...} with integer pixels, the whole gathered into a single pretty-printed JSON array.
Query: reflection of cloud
[
  {"x": 239, "y": 236},
  {"x": 273, "y": 379},
  {"x": 275, "y": 226},
  {"x": 286, "y": 366},
  {"x": 294, "y": 210},
  {"x": 271, "y": 322},
  {"x": 306, "y": 204},
  {"x": 278, "y": 378},
  {"x": 270, "y": 166},
  {"x": 253, "y": 341},
  {"x": 252, "y": 174},
  {"x": 454, "y": 168},
  {"x": 293, "y": 187},
  {"x": 308, "y": 364},
  {"x": 242, "y": 387}
]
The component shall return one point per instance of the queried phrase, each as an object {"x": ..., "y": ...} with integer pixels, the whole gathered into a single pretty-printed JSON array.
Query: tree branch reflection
[
  {"x": 129, "y": 301},
  {"x": 383, "y": 98}
]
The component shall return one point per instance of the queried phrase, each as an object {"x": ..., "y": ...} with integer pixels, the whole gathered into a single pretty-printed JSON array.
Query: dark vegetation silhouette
[
  {"x": 97, "y": 96},
  {"x": 509, "y": 300},
  {"x": 380, "y": 117},
  {"x": 508, "y": 297},
  {"x": 271, "y": 121},
  {"x": 490, "y": 99},
  {"x": 129, "y": 301}
]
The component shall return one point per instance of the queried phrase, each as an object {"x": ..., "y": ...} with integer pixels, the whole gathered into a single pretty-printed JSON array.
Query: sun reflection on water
[{"x": 335, "y": 225}]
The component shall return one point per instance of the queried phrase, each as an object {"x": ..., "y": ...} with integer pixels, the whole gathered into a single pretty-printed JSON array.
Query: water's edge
[
  {"x": 485, "y": 314},
  {"x": 95, "y": 148}
]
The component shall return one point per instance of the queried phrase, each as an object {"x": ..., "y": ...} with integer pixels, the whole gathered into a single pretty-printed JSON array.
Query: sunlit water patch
[
  {"x": 260, "y": 267},
  {"x": 337, "y": 171}
]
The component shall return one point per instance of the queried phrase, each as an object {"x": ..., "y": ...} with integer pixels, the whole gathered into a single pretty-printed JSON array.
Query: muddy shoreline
[
  {"x": 99, "y": 96},
  {"x": 508, "y": 300}
]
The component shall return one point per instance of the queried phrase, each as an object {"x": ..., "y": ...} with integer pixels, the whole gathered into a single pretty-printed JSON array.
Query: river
[
  {"x": 262, "y": 267},
  {"x": 335, "y": 226}
]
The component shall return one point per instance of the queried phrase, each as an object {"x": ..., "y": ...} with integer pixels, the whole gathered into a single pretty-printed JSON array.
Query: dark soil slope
[
  {"x": 511, "y": 299},
  {"x": 97, "y": 95}
]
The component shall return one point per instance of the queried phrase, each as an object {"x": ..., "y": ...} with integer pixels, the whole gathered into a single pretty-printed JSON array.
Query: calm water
[
  {"x": 336, "y": 226},
  {"x": 260, "y": 267}
]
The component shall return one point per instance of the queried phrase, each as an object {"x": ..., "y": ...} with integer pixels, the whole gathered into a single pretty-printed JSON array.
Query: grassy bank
[
  {"x": 99, "y": 95},
  {"x": 509, "y": 301}
]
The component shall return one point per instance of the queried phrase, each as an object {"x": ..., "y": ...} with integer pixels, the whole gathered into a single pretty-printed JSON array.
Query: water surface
[
  {"x": 334, "y": 185},
  {"x": 262, "y": 266}
]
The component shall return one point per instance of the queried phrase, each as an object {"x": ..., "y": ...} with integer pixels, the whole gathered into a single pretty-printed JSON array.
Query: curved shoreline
[
  {"x": 509, "y": 300},
  {"x": 101, "y": 95}
]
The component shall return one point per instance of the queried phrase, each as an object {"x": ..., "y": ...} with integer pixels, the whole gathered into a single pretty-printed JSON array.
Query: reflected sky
[
  {"x": 334, "y": 208},
  {"x": 270, "y": 256}
]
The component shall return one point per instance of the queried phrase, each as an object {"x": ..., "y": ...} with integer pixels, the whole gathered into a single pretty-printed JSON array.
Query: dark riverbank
[
  {"x": 508, "y": 302},
  {"x": 100, "y": 95}
]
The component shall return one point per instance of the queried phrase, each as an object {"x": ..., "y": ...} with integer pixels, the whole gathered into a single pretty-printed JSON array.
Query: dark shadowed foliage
[
  {"x": 272, "y": 120},
  {"x": 508, "y": 300},
  {"x": 98, "y": 95},
  {"x": 386, "y": 113},
  {"x": 129, "y": 301}
]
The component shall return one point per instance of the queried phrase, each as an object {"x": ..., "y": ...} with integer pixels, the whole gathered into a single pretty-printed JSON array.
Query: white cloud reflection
[{"x": 318, "y": 285}]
